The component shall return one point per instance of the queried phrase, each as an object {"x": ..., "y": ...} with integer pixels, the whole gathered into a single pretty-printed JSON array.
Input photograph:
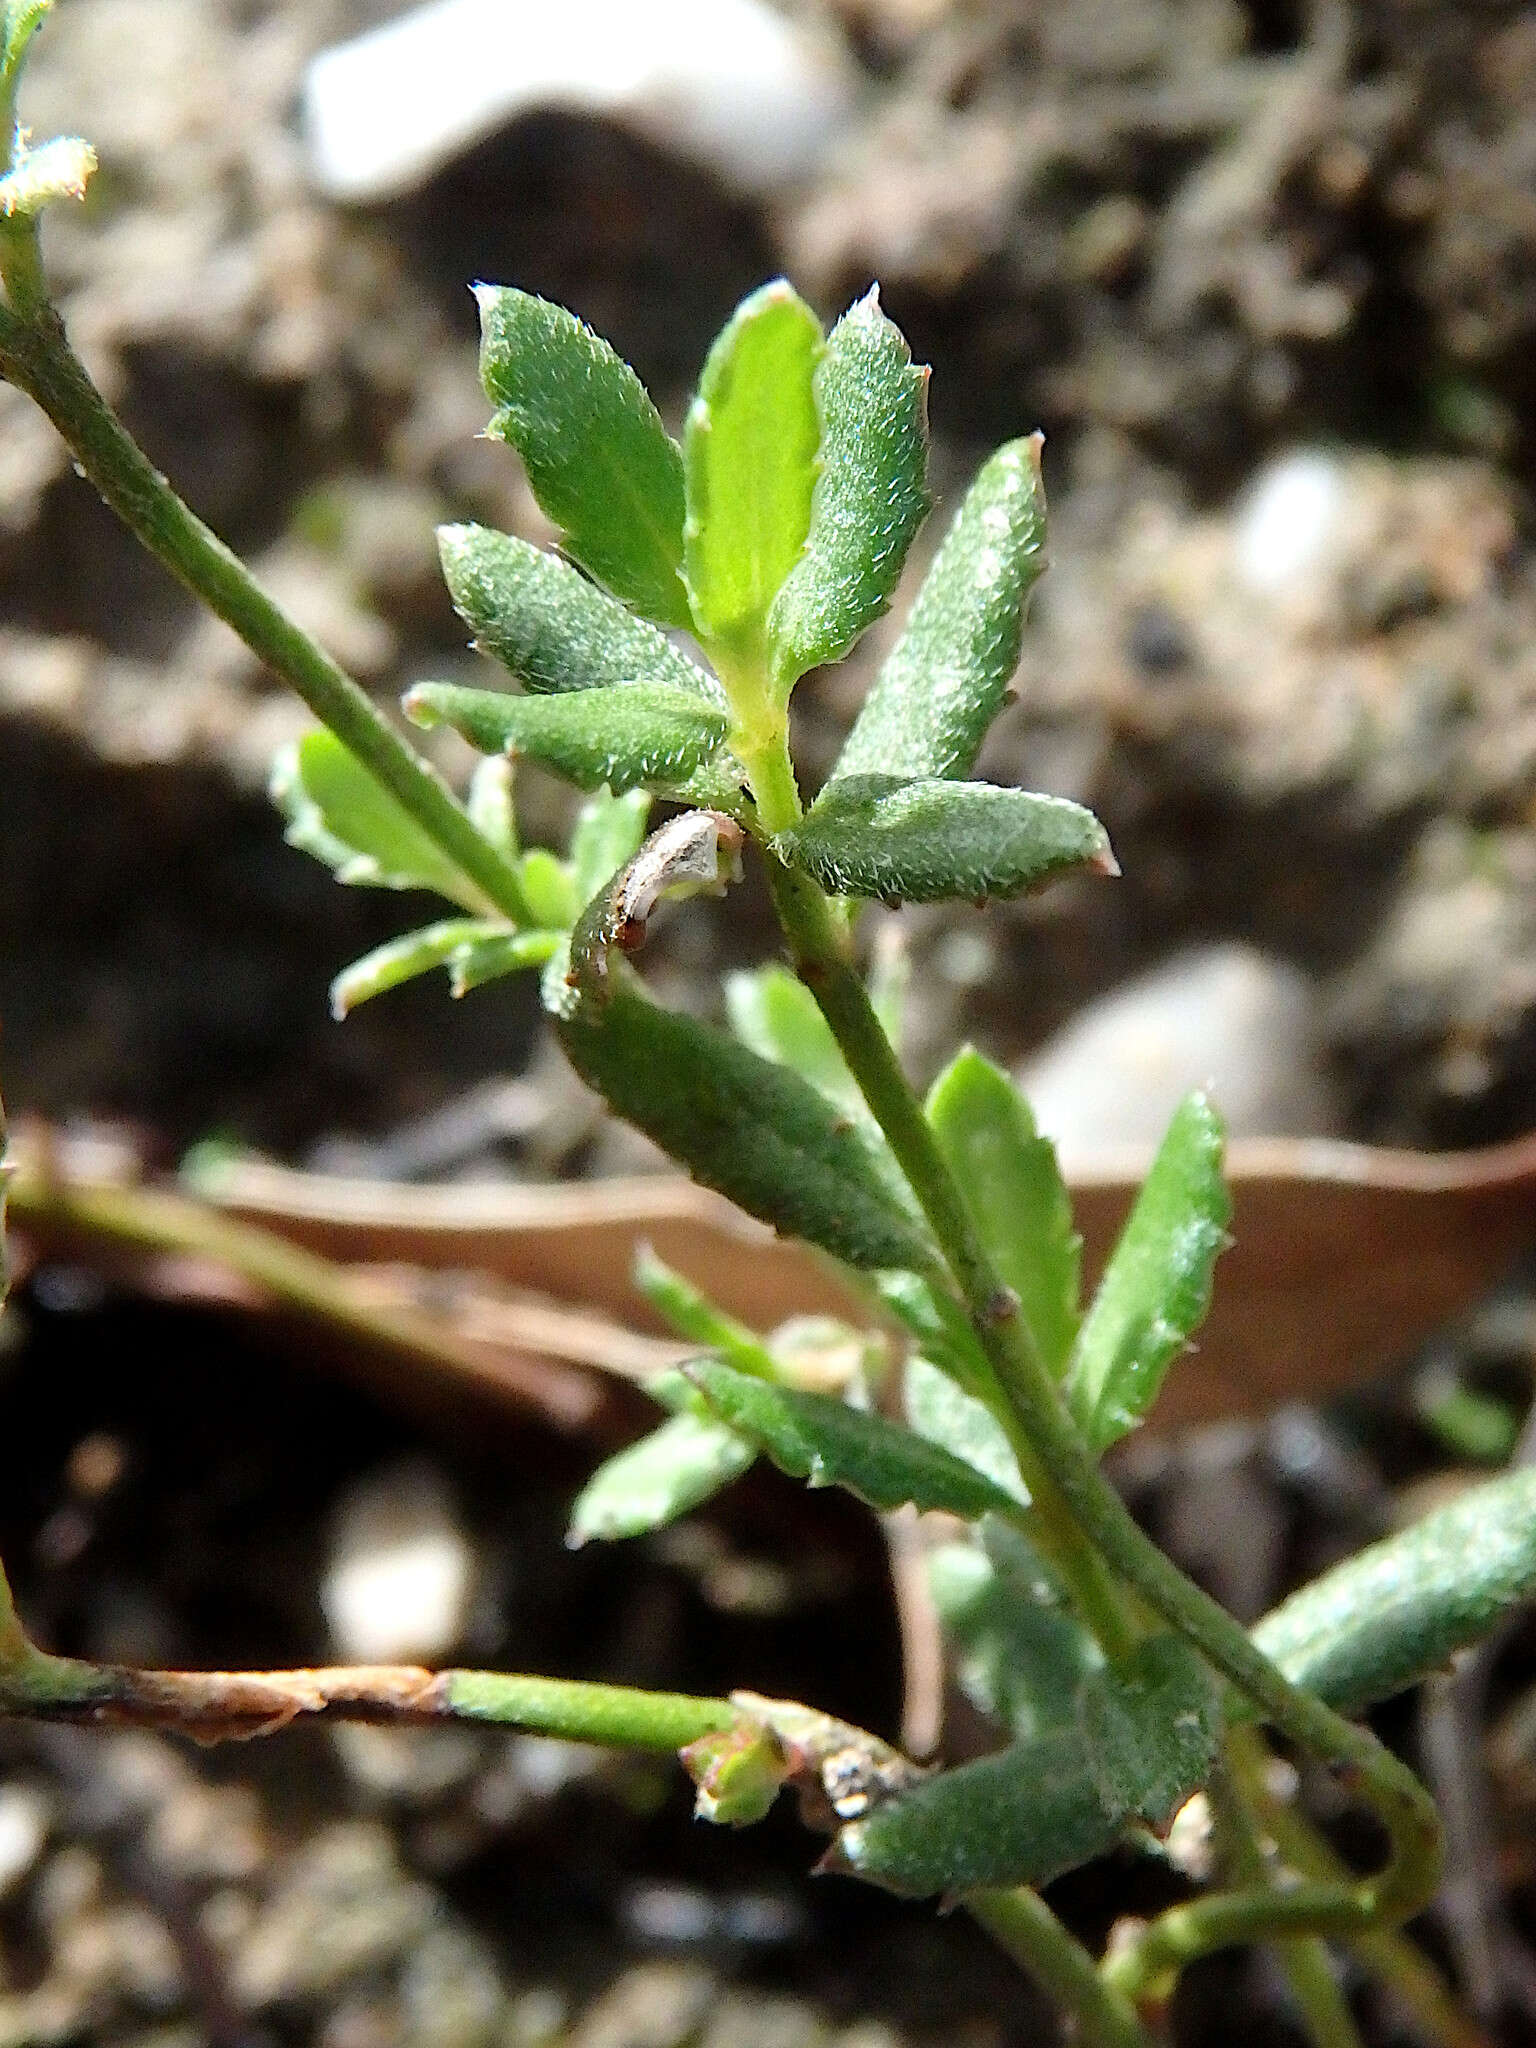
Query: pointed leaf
[
  {"x": 1022, "y": 1816},
  {"x": 695, "y": 1317},
  {"x": 548, "y": 625},
  {"x": 664, "y": 1475},
  {"x": 870, "y": 498},
  {"x": 773, "y": 1012},
  {"x": 400, "y": 960},
  {"x": 1021, "y": 1654},
  {"x": 939, "y": 1410},
  {"x": 1015, "y": 1194},
  {"x": 947, "y": 677},
  {"x": 752, "y": 1130},
  {"x": 607, "y": 833},
  {"x": 820, "y": 1439},
  {"x": 750, "y": 460},
  {"x": 623, "y": 737},
  {"x": 599, "y": 460},
  {"x": 1151, "y": 1726},
  {"x": 337, "y": 811},
  {"x": 1157, "y": 1285},
  {"x": 1386, "y": 1618},
  {"x": 933, "y": 841}
]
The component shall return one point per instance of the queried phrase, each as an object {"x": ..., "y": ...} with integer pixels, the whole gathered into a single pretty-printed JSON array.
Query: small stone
[
  {"x": 401, "y": 1576},
  {"x": 24, "y": 1818}
]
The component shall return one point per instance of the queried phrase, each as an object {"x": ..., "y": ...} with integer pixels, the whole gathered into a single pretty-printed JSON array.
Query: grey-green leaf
[
  {"x": 822, "y": 1440},
  {"x": 340, "y": 813},
  {"x": 547, "y": 624},
  {"x": 1021, "y": 1816},
  {"x": 946, "y": 678},
  {"x": 935, "y": 841},
  {"x": 599, "y": 461},
  {"x": 1157, "y": 1285},
  {"x": 625, "y": 737},
  {"x": 941, "y": 1411},
  {"x": 870, "y": 497},
  {"x": 666, "y": 1474},
  {"x": 1015, "y": 1194},
  {"x": 1386, "y": 1618},
  {"x": 750, "y": 460},
  {"x": 753, "y": 1130},
  {"x": 1020, "y": 1653},
  {"x": 1151, "y": 1726}
]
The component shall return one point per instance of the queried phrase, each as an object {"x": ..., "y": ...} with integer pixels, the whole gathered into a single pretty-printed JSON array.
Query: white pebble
[
  {"x": 401, "y": 1573},
  {"x": 1287, "y": 520},
  {"x": 23, "y": 1831}
]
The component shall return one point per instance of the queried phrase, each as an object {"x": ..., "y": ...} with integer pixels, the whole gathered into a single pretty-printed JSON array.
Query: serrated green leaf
[
  {"x": 773, "y": 1012},
  {"x": 695, "y": 1317},
  {"x": 1151, "y": 1726},
  {"x": 1387, "y": 1617},
  {"x": 946, "y": 678},
  {"x": 1020, "y": 1653},
  {"x": 1015, "y": 1194},
  {"x": 543, "y": 621},
  {"x": 401, "y": 960},
  {"x": 871, "y": 495},
  {"x": 488, "y": 959},
  {"x": 940, "y": 1411},
  {"x": 338, "y": 812},
  {"x": 934, "y": 841},
  {"x": 1157, "y": 1285},
  {"x": 624, "y": 737},
  {"x": 599, "y": 461},
  {"x": 548, "y": 889},
  {"x": 822, "y": 1440},
  {"x": 1021, "y": 1816},
  {"x": 19, "y": 22},
  {"x": 607, "y": 833},
  {"x": 666, "y": 1474},
  {"x": 750, "y": 460},
  {"x": 740, "y": 1124}
]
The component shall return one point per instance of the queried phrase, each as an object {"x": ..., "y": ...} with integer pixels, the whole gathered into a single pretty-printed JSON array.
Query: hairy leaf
[
  {"x": 632, "y": 734},
  {"x": 548, "y": 625},
  {"x": 870, "y": 497},
  {"x": 773, "y": 1012},
  {"x": 695, "y": 1317},
  {"x": 599, "y": 460},
  {"x": 1151, "y": 1726},
  {"x": 1386, "y": 1618},
  {"x": 1015, "y": 1194},
  {"x": 1021, "y": 1654},
  {"x": 939, "y": 1410},
  {"x": 822, "y": 1440},
  {"x": 750, "y": 460},
  {"x": 934, "y": 841},
  {"x": 666, "y": 1474},
  {"x": 1157, "y": 1285},
  {"x": 946, "y": 678},
  {"x": 339, "y": 812}
]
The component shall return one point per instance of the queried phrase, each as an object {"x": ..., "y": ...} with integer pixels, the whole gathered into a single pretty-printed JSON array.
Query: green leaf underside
[
  {"x": 1157, "y": 1286},
  {"x": 607, "y": 833},
  {"x": 1150, "y": 1727},
  {"x": 940, "y": 1411},
  {"x": 946, "y": 678},
  {"x": 934, "y": 841},
  {"x": 773, "y": 1012},
  {"x": 626, "y": 736},
  {"x": 338, "y": 812},
  {"x": 599, "y": 461},
  {"x": 1015, "y": 1194},
  {"x": 1021, "y": 1656},
  {"x": 666, "y": 1474},
  {"x": 695, "y": 1317},
  {"x": 1386, "y": 1618},
  {"x": 508, "y": 953},
  {"x": 543, "y": 621},
  {"x": 1021, "y": 1816},
  {"x": 822, "y": 1440},
  {"x": 870, "y": 497},
  {"x": 401, "y": 960},
  {"x": 752, "y": 1130},
  {"x": 750, "y": 461}
]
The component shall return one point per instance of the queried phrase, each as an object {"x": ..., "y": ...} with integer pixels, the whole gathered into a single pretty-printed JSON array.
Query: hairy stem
[
  {"x": 36, "y": 357},
  {"x": 1082, "y": 1494}
]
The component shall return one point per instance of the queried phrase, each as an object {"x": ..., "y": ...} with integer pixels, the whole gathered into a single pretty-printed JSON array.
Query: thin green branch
[
  {"x": 1023, "y": 1925},
  {"x": 35, "y": 356}
]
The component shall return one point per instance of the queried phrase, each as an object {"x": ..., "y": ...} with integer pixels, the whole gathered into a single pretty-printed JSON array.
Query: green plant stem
[
  {"x": 1081, "y": 1493},
  {"x": 1023, "y": 1925},
  {"x": 1306, "y": 1964},
  {"x": 36, "y": 357}
]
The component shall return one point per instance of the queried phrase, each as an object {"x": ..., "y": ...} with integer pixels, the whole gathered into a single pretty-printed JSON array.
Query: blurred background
[{"x": 1265, "y": 273}]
